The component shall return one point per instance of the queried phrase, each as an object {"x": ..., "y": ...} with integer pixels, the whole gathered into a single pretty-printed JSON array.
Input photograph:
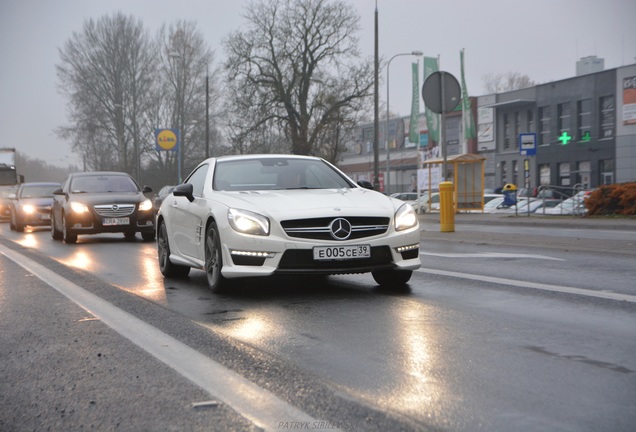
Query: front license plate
[
  {"x": 326, "y": 253},
  {"x": 115, "y": 221}
]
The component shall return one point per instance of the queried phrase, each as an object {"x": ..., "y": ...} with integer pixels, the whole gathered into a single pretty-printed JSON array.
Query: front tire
[
  {"x": 392, "y": 278},
  {"x": 55, "y": 233},
  {"x": 12, "y": 220},
  {"x": 14, "y": 224},
  {"x": 214, "y": 259},
  {"x": 67, "y": 234},
  {"x": 166, "y": 267},
  {"x": 148, "y": 236}
]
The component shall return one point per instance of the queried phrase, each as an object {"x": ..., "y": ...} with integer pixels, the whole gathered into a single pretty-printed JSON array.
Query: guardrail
[{"x": 563, "y": 193}]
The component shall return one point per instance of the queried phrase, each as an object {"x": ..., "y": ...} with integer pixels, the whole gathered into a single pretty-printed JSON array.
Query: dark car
[
  {"x": 5, "y": 202},
  {"x": 163, "y": 193},
  {"x": 31, "y": 205},
  {"x": 101, "y": 202}
]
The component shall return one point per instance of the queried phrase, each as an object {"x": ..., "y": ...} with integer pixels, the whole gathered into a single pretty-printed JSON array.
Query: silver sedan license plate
[
  {"x": 116, "y": 221},
  {"x": 326, "y": 253}
]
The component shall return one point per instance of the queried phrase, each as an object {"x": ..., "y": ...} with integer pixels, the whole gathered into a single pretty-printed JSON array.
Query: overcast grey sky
[{"x": 541, "y": 38}]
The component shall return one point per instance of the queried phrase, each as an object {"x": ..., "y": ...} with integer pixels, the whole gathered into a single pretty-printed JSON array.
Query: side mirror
[
  {"x": 58, "y": 191},
  {"x": 365, "y": 184},
  {"x": 146, "y": 189},
  {"x": 185, "y": 190}
]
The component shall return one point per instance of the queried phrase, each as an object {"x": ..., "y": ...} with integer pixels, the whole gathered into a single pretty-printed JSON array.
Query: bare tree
[
  {"x": 295, "y": 67},
  {"x": 498, "y": 83},
  {"x": 107, "y": 71},
  {"x": 186, "y": 63}
]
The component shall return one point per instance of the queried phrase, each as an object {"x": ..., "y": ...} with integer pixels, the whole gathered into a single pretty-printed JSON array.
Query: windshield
[
  {"x": 277, "y": 174},
  {"x": 6, "y": 191},
  {"x": 103, "y": 183},
  {"x": 38, "y": 191},
  {"x": 8, "y": 177}
]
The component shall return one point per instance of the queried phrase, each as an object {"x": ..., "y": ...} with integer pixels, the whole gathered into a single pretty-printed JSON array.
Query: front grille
[
  {"x": 114, "y": 210},
  {"x": 44, "y": 209},
  {"x": 302, "y": 260},
  {"x": 318, "y": 228}
]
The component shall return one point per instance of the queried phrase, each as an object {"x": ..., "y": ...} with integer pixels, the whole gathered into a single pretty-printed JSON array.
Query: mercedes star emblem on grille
[{"x": 340, "y": 229}]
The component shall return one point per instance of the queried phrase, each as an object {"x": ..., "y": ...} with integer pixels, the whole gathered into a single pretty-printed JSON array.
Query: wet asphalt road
[{"x": 483, "y": 339}]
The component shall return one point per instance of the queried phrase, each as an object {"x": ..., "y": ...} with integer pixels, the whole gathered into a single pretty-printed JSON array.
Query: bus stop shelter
[{"x": 466, "y": 171}]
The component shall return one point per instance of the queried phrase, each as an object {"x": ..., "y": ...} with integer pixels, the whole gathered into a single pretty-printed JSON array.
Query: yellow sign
[{"x": 167, "y": 139}]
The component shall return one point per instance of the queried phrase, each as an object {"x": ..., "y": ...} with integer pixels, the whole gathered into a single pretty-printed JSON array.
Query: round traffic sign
[{"x": 432, "y": 92}]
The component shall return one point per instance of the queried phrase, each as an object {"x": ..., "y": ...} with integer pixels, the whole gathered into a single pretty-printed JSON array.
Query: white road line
[
  {"x": 258, "y": 405},
  {"x": 490, "y": 255},
  {"x": 534, "y": 285}
]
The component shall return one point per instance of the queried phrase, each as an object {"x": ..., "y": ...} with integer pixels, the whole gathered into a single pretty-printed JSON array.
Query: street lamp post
[
  {"x": 386, "y": 129},
  {"x": 207, "y": 113},
  {"x": 180, "y": 109}
]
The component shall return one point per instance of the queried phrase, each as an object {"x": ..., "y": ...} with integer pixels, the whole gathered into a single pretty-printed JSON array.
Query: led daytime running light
[
  {"x": 253, "y": 254},
  {"x": 407, "y": 248}
]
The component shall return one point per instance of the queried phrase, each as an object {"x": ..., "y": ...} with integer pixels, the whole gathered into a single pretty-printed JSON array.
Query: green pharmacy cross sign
[
  {"x": 586, "y": 137},
  {"x": 565, "y": 138}
]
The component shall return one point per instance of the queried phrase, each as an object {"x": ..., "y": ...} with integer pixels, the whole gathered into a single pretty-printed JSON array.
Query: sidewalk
[
  {"x": 481, "y": 229},
  {"x": 573, "y": 222}
]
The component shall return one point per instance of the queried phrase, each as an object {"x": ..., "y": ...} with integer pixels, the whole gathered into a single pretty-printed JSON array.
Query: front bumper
[
  {"x": 252, "y": 256},
  {"x": 94, "y": 224}
]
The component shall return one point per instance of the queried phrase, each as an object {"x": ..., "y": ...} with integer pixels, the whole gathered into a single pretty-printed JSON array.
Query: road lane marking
[
  {"x": 256, "y": 404},
  {"x": 490, "y": 255},
  {"x": 534, "y": 285}
]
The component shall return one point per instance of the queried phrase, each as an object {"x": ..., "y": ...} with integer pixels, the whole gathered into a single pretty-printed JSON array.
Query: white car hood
[{"x": 298, "y": 203}]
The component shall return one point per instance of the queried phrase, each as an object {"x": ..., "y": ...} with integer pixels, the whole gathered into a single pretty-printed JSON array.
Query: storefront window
[
  {"x": 564, "y": 174},
  {"x": 544, "y": 125},
  {"x": 584, "y": 119}
]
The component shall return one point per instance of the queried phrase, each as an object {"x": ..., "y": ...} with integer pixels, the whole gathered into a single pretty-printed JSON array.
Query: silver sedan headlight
[
  {"x": 405, "y": 218},
  {"x": 28, "y": 209},
  {"x": 248, "y": 222}
]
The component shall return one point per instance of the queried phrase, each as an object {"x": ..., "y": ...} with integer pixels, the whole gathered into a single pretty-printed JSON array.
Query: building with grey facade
[
  {"x": 585, "y": 129},
  {"x": 583, "y": 132}
]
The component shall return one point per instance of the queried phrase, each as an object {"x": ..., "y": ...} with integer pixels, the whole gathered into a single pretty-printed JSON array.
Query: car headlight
[
  {"x": 247, "y": 222},
  {"x": 78, "y": 207},
  {"x": 28, "y": 209},
  {"x": 145, "y": 205},
  {"x": 405, "y": 218}
]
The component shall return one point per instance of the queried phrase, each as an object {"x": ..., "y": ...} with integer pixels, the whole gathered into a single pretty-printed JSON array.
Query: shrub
[{"x": 615, "y": 199}]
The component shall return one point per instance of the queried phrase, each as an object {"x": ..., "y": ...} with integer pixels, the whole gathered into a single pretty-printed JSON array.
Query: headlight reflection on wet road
[
  {"x": 419, "y": 388},
  {"x": 80, "y": 260},
  {"x": 254, "y": 329},
  {"x": 28, "y": 240},
  {"x": 149, "y": 282}
]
